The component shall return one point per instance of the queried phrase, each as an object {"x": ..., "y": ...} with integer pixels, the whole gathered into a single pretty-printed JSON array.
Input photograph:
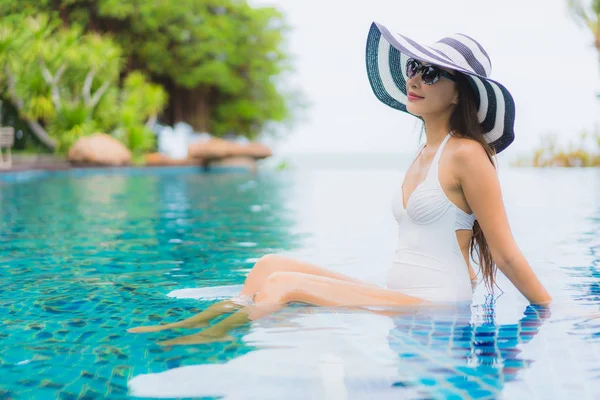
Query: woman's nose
[{"x": 414, "y": 82}]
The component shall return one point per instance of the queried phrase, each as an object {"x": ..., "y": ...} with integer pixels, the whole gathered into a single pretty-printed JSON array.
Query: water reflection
[
  {"x": 86, "y": 255},
  {"x": 465, "y": 353},
  {"x": 421, "y": 352},
  {"x": 585, "y": 284}
]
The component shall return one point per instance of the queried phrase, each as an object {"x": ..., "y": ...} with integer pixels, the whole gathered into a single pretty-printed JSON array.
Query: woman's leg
[
  {"x": 197, "y": 321},
  {"x": 281, "y": 288},
  {"x": 266, "y": 266},
  {"x": 272, "y": 263}
]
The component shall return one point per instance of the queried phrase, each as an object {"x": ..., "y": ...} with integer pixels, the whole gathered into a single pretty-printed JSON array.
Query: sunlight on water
[{"x": 87, "y": 255}]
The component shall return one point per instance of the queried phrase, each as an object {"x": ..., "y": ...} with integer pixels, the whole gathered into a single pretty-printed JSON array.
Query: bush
[{"x": 67, "y": 85}]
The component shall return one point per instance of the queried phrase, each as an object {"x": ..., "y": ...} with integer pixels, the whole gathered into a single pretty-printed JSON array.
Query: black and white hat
[{"x": 386, "y": 58}]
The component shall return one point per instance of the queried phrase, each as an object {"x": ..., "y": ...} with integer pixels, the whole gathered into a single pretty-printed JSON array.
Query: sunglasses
[{"x": 430, "y": 74}]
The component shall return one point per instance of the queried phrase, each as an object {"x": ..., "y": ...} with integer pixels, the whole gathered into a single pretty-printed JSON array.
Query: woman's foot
[
  {"x": 199, "y": 320},
  {"x": 198, "y": 338},
  {"x": 217, "y": 332},
  {"x": 158, "y": 328}
]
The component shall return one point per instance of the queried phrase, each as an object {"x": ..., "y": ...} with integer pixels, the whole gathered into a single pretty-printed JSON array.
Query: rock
[
  {"x": 255, "y": 150},
  {"x": 159, "y": 159},
  {"x": 216, "y": 149},
  {"x": 212, "y": 149},
  {"x": 99, "y": 149},
  {"x": 248, "y": 163}
]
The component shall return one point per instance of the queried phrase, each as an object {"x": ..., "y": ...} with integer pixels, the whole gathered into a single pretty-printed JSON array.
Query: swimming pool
[{"x": 87, "y": 254}]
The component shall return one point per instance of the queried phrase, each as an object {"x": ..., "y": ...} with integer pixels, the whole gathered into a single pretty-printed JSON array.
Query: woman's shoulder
[
  {"x": 465, "y": 149},
  {"x": 468, "y": 156}
]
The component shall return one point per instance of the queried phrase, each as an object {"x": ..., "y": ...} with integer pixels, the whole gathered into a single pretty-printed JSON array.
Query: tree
[
  {"x": 221, "y": 61},
  {"x": 66, "y": 84}
]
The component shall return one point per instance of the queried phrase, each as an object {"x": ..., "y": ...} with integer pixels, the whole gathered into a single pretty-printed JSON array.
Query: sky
[{"x": 545, "y": 59}]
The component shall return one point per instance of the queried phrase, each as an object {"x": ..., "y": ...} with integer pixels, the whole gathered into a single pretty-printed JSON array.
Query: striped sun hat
[{"x": 386, "y": 58}]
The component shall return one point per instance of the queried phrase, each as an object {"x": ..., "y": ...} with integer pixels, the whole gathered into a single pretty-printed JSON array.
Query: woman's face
[{"x": 426, "y": 100}]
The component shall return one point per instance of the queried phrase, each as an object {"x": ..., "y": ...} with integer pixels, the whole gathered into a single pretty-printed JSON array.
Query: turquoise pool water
[{"x": 87, "y": 254}]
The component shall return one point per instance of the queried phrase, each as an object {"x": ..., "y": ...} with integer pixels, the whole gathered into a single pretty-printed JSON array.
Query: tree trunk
[
  {"x": 189, "y": 106},
  {"x": 41, "y": 134},
  {"x": 37, "y": 129},
  {"x": 199, "y": 100},
  {"x": 63, "y": 13}
]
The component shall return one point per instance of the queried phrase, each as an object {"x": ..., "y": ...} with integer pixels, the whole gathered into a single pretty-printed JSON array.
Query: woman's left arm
[{"x": 481, "y": 187}]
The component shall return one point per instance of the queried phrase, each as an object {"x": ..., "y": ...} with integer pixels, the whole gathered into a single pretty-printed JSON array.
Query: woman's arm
[{"x": 481, "y": 188}]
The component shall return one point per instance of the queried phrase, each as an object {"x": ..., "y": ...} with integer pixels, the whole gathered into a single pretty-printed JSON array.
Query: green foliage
[
  {"x": 69, "y": 81},
  {"x": 24, "y": 139},
  {"x": 72, "y": 122},
  {"x": 140, "y": 101},
  {"x": 224, "y": 56},
  {"x": 227, "y": 53},
  {"x": 282, "y": 166}
]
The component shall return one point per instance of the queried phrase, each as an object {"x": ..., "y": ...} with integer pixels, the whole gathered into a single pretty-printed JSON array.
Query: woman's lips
[{"x": 413, "y": 97}]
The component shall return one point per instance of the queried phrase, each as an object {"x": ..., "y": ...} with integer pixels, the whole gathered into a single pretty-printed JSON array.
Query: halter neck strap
[{"x": 433, "y": 169}]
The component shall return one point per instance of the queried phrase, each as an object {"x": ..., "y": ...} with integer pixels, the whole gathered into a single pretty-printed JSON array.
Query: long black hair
[{"x": 464, "y": 123}]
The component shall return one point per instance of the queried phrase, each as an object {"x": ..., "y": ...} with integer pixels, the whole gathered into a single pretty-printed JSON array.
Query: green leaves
[
  {"x": 221, "y": 60},
  {"x": 69, "y": 81},
  {"x": 229, "y": 49},
  {"x": 72, "y": 121},
  {"x": 141, "y": 102}
]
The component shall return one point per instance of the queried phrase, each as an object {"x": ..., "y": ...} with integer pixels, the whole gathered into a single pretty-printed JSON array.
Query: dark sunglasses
[{"x": 430, "y": 74}]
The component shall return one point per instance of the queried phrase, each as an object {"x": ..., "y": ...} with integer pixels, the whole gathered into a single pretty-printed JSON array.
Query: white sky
[{"x": 538, "y": 52}]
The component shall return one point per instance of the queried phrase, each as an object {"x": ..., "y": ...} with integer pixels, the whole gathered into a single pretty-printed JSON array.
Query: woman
[{"x": 448, "y": 206}]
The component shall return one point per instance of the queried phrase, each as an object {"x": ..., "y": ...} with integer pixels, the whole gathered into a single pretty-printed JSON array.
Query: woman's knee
[
  {"x": 267, "y": 263},
  {"x": 261, "y": 270},
  {"x": 278, "y": 287}
]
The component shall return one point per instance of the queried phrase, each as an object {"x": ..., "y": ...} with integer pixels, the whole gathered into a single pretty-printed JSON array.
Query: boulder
[
  {"x": 212, "y": 149},
  {"x": 158, "y": 159},
  {"x": 99, "y": 149},
  {"x": 254, "y": 150},
  {"x": 217, "y": 149}
]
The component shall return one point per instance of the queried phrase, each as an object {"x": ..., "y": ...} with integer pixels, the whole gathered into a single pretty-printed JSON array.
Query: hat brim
[{"x": 386, "y": 56}]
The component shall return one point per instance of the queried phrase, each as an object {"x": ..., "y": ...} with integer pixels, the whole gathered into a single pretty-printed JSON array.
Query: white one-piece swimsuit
[{"x": 428, "y": 262}]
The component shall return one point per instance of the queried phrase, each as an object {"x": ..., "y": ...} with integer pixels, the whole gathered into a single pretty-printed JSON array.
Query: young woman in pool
[{"x": 448, "y": 207}]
